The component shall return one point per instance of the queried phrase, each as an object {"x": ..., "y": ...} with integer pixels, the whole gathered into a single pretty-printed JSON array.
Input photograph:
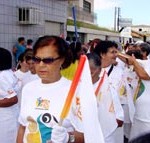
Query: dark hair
[
  {"x": 62, "y": 48},
  {"x": 96, "y": 59},
  {"x": 141, "y": 139},
  {"x": 21, "y": 57},
  {"x": 21, "y": 39},
  {"x": 74, "y": 39},
  {"x": 93, "y": 42},
  {"x": 136, "y": 53},
  {"x": 68, "y": 38},
  {"x": 24, "y": 57},
  {"x": 75, "y": 48},
  {"x": 29, "y": 41},
  {"x": 103, "y": 47},
  {"x": 145, "y": 47},
  {"x": 29, "y": 52},
  {"x": 5, "y": 59}
]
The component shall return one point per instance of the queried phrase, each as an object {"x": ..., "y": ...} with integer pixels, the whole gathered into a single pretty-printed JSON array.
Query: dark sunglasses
[{"x": 37, "y": 60}]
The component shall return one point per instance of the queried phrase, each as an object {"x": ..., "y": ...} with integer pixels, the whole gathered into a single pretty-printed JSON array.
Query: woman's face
[
  {"x": 110, "y": 56},
  {"x": 48, "y": 72}
]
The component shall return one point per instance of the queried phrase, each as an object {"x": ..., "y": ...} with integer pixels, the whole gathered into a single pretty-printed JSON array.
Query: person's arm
[
  {"x": 140, "y": 71},
  {"x": 137, "y": 67},
  {"x": 20, "y": 135},
  {"x": 119, "y": 122},
  {"x": 7, "y": 102},
  {"x": 14, "y": 50},
  {"x": 77, "y": 137}
]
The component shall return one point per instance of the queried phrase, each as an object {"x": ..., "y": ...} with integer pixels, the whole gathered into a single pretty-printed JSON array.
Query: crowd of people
[{"x": 33, "y": 95}]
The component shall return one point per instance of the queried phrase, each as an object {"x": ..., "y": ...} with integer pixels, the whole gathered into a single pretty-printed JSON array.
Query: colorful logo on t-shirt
[
  {"x": 42, "y": 104},
  {"x": 140, "y": 90},
  {"x": 39, "y": 131}
]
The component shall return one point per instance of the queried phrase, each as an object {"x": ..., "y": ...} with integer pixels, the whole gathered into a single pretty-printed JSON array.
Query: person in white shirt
[
  {"x": 23, "y": 73},
  {"x": 105, "y": 103},
  {"x": 9, "y": 87},
  {"x": 107, "y": 50},
  {"x": 141, "y": 121},
  {"x": 43, "y": 99}
]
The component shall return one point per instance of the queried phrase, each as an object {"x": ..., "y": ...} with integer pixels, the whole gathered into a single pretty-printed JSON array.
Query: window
[
  {"x": 23, "y": 14},
  {"x": 29, "y": 15},
  {"x": 86, "y": 6}
]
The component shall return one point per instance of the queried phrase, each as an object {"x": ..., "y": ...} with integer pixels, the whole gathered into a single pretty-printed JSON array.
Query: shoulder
[
  {"x": 31, "y": 85},
  {"x": 6, "y": 73},
  {"x": 65, "y": 81}
]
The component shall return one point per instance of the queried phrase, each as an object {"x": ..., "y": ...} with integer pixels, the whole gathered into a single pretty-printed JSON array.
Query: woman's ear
[{"x": 102, "y": 55}]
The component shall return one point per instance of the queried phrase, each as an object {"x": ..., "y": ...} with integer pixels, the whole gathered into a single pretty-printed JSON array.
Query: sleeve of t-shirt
[{"x": 7, "y": 86}]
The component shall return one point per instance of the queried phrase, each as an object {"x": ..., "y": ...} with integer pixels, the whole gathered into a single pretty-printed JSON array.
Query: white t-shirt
[
  {"x": 105, "y": 106},
  {"x": 10, "y": 85},
  {"x": 24, "y": 77},
  {"x": 41, "y": 106},
  {"x": 143, "y": 100},
  {"x": 114, "y": 80}
]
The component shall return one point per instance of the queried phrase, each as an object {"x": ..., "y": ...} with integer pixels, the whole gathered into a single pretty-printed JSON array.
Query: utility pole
[
  {"x": 115, "y": 17},
  {"x": 118, "y": 18}
]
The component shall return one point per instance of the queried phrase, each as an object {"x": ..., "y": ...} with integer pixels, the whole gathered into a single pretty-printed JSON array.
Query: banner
[{"x": 89, "y": 113}]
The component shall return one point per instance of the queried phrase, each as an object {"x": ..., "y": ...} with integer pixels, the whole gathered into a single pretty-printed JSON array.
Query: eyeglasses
[{"x": 37, "y": 60}]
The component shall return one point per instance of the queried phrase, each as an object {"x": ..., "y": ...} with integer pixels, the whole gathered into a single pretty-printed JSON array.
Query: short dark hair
[
  {"x": 68, "y": 38},
  {"x": 5, "y": 59},
  {"x": 137, "y": 54},
  {"x": 145, "y": 47},
  {"x": 96, "y": 59},
  {"x": 29, "y": 41},
  {"x": 103, "y": 46},
  {"x": 21, "y": 39},
  {"x": 75, "y": 48},
  {"x": 74, "y": 39},
  {"x": 21, "y": 57},
  {"x": 62, "y": 47}
]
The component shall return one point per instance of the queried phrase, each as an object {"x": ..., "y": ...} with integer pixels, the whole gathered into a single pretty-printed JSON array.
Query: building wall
[
  {"x": 52, "y": 11},
  {"x": 144, "y": 29},
  {"x": 90, "y": 34},
  {"x": 92, "y": 4},
  {"x": 80, "y": 3}
]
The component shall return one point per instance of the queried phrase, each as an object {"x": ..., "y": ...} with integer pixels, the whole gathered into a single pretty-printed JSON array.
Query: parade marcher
[
  {"x": 76, "y": 49},
  {"x": 104, "y": 98},
  {"x": 107, "y": 50},
  {"x": 141, "y": 121},
  {"x": 145, "y": 50},
  {"x": 40, "y": 112},
  {"x": 9, "y": 87},
  {"x": 29, "y": 44},
  {"x": 23, "y": 73}
]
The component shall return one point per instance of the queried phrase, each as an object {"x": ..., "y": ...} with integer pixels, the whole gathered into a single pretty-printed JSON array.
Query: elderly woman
[{"x": 43, "y": 99}]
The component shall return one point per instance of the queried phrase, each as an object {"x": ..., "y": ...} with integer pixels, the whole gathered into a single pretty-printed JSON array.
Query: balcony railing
[{"x": 82, "y": 15}]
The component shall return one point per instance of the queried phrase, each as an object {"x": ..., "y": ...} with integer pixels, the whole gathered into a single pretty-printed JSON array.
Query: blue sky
[{"x": 138, "y": 10}]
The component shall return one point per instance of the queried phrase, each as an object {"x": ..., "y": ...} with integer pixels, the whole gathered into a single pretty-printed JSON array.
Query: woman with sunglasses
[{"x": 43, "y": 99}]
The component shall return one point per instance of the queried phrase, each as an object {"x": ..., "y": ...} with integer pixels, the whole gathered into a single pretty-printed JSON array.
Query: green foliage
[{"x": 88, "y": 25}]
